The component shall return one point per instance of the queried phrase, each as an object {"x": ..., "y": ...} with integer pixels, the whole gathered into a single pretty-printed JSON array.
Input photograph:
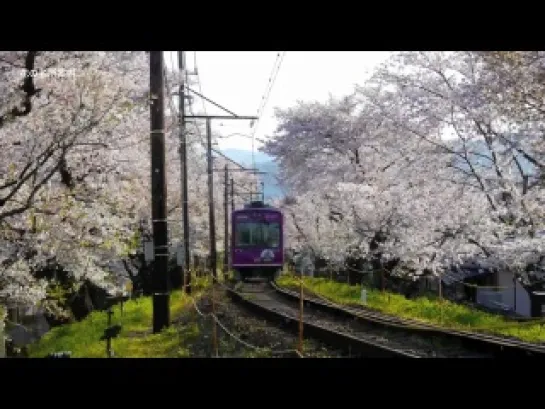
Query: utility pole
[
  {"x": 232, "y": 195},
  {"x": 161, "y": 308},
  {"x": 183, "y": 170},
  {"x": 232, "y": 210},
  {"x": 226, "y": 222},
  {"x": 263, "y": 192},
  {"x": 211, "y": 213}
]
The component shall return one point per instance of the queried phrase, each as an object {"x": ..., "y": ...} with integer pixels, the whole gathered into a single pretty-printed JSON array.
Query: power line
[
  {"x": 270, "y": 83},
  {"x": 211, "y": 209},
  {"x": 201, "y": 141},
  {"x": 265, "y": 98},
  {"x": 186, "y": 278}
]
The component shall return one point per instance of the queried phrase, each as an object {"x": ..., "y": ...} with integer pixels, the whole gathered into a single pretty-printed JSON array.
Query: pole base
[{"x": 161, "y": 311}]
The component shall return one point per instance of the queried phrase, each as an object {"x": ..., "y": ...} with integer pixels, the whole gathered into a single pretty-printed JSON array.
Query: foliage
[
  {"x": 75, "y": 169},
  {"x": 436, "y": 159},
  {"x": 135, "y": 340}
]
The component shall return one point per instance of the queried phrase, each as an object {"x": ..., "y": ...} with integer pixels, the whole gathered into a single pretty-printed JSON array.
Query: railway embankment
[{"x": 427, "y": 309}]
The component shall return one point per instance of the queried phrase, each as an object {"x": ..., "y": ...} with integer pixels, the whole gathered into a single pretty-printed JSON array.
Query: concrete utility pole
[
  {"x": 211, "y": 213},
  {"x": 161, "y": 307},
  {"x": 232, "y": 195},
  {"x": 183, "y": 170},
  {"x": 226, "y": 222}
]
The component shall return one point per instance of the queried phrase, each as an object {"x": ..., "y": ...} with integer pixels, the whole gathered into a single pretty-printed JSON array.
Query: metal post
[
  {"x": 214, "y": 328},
  {"x": 226, "y": 223},
  {"x": 109, "y": 340},
  {"x": 301, "y": 305},
  {"x": 263, "y": 192},
  {"x": 440, "y": 299},
  {"x": 514, "y": 293},
  {"x": 211, "y": 215},
  {"x": 232, "y": 195},
  {"x": 2, "y": 337},
  {"x": 212, "y": 221},
  {"x": 183, "y": 169},
  {"x": 161, "y": 310},
  {"x": 232, "y": 210}
]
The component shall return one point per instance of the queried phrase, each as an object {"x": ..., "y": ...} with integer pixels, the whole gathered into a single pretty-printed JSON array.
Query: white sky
[{"x": 238, "y": 80}]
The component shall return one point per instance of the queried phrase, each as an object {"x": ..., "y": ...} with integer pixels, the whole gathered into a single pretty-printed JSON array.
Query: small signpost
[
  {"x": 149, "y": 253},
  {"x": 180, "y": 255},
  {"x": 112, "y": 331},
  {"x": 364, "y": 296}
]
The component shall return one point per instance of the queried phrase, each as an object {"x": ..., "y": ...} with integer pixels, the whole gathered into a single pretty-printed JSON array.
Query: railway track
[
  {"x": 482, "y": 344},
  {"x": 357, "y": 338}
]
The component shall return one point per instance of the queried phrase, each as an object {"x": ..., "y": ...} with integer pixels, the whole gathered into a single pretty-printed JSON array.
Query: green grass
[
  {"x": 429, "y": 310},
  {"x": 136, "y": 339}
]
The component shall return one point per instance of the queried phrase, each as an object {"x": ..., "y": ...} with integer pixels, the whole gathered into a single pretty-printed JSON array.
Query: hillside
[{"x": 264, "y": 163}]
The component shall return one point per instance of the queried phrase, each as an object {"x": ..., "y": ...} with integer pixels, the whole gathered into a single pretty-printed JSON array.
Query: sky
[{"x": 238, "y": 81}]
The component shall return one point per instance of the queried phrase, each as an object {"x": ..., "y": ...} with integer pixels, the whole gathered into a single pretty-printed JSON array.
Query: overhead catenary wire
[
  {"x": 270, "y": 83},
  {"x": 263, "y": 102},
  {"x": 202, "y": 142},
  {"x": 201, "y": 137},
  {"x": 175, "y": 110},
  {"x": 264, "y": 99}
]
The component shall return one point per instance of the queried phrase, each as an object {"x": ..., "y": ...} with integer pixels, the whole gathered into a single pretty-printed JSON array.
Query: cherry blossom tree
[
  {"x": 426, "y": 164},
  {"x": 75, "y": 167},
  {"x": 492, "y": 145},
  {"x": 58, "y": 184}
]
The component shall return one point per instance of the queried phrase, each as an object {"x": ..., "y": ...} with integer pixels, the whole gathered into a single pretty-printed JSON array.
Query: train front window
[{"x": 254, "y": 234}]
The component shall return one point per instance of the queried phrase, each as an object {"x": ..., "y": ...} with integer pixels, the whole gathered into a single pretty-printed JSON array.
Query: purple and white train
[{"x": 257, "y": 242}]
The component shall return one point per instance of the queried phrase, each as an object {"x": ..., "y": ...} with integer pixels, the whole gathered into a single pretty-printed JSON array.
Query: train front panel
[{"x": 257, "y": 246}]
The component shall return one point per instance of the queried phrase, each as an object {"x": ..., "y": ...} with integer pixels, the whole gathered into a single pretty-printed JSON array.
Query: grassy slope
[
  {"x": 425, "y": 309},
  {"x": 135, "y": 340}
]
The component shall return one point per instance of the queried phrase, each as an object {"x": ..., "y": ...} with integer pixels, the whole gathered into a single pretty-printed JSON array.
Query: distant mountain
[
  {"x": 481, "y": 158},
  {"x": 264, "y": 163},
  {"x": 244, "y": 157}
]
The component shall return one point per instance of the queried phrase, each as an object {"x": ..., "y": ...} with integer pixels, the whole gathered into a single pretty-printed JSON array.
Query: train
[{"x": 257, "y": 242}]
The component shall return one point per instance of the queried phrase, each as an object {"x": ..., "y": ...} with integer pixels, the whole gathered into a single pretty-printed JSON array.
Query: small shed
[
  {"x": 537, "y": 304},
  {"x": 468, "y": 273}
]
